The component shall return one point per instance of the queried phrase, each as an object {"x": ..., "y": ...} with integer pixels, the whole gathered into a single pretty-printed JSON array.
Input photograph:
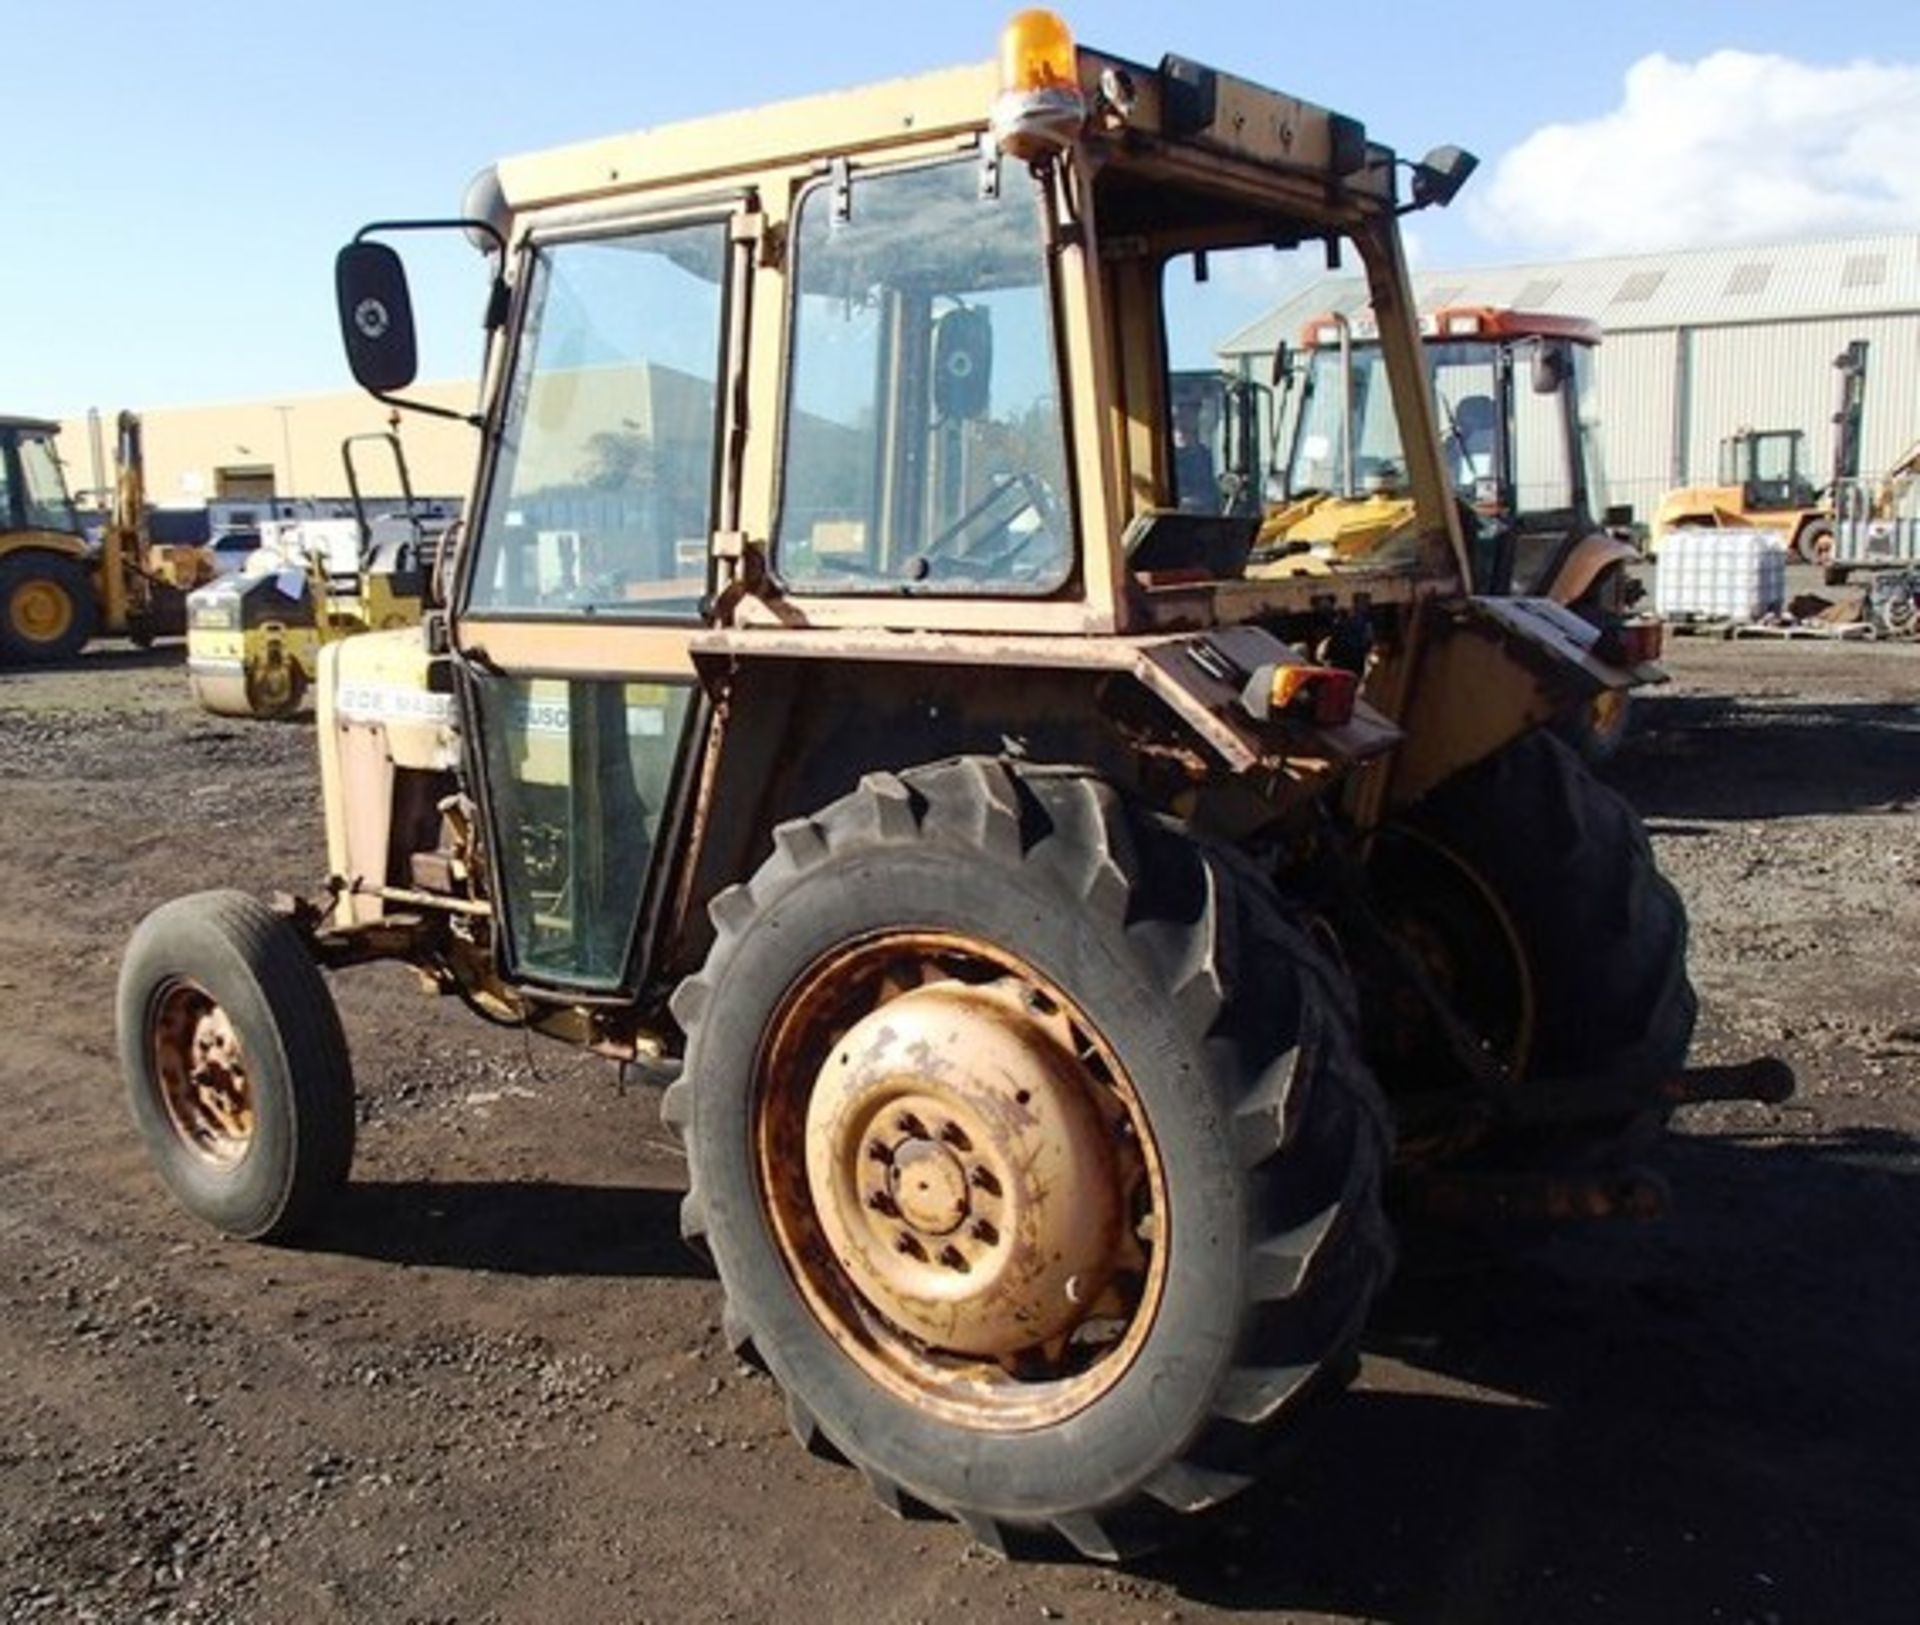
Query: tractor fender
[
  {"x": 1491, "y": 670},
  {"x": 1592, "y": 556}
]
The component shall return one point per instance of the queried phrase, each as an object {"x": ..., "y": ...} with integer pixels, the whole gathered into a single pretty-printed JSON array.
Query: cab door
[{"x": 587, "y": 573}]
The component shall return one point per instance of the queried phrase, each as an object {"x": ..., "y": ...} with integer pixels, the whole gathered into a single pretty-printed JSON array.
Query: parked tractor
[
  {"x": 1765, "y": 480},
  {"x": 58, "y": 590},
  {"x": 1051, "y": 937}
]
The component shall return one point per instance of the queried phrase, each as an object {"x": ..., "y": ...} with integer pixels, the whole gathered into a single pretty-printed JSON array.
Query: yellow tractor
[
  {"x": 58, "y": 590},
  {"x": 1763, "y": 485},
  {"x": 254, "y": 638},
  {"x": 1047, "y": 933}
]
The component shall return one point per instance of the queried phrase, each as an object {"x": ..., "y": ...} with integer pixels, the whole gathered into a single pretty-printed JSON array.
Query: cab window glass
[
  {"x": 601, "y": 498},
  {"x": 1466, "y": 396},
  {"x": 581, "y": 774},
  {"x": 1542, "y": 450},
  {"x": 923, "y": 445},
  {"x": 44, "y": 488}
]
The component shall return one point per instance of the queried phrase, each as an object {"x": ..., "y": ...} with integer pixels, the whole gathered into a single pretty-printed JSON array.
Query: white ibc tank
[{"x": 1720, "y": 575}]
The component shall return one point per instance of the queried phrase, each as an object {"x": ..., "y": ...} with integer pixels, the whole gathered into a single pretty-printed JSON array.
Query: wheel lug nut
[
  {"x": 881, "y": 1202},
  {"x": 955, "y": 1136},
  {"x": 984, "y": 1232},
  {"x": 952, "y": 1257},
  {"x": 910, "y": 1125},
  {"x": 879, "y": 1151},
  {"x": 981, "y": 1179},
  {"x": 909, "y": 1245}
]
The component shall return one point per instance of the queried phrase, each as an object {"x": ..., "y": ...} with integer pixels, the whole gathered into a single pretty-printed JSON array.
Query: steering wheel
[{"x": 983, "y": 560}]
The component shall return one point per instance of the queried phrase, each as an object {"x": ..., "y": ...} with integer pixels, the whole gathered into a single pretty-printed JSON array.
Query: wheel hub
[
  {"x": 202, "y": 1068},
  {"x": 929, "y": 1187},
  {"x": 961, "y": 1170},
  {"x": 41, "y": 612}
]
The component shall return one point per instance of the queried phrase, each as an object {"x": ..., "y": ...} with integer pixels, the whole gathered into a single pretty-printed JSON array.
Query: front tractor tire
[
  {"x": 235, "y": 1065},
  {"x": 46, "y": 607},
  {"x": 1034, "y": 1150}
]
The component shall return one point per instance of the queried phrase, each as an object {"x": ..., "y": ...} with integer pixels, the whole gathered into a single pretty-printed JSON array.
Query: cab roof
[{"x": 1463, "y": 322}]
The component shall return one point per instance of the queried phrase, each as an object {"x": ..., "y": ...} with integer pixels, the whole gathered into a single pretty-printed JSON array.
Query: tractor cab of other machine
[
  {"x": 1768, "y": 468},
  {"x": 1520, "y": 446},
  {"x": 33, "y": 485}
]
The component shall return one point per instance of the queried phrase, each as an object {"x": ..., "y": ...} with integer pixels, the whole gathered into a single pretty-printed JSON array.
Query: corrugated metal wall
[
  {"x": 1781, "y": 376},
  {"x": 1635, "y": 404}
]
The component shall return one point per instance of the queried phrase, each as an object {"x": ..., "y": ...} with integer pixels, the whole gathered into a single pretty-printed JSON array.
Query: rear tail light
[{"x": 1321, "y": 695}]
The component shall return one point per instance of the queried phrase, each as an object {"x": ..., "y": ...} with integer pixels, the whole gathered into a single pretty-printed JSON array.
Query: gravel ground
[{"x": 494, "y": 1386}]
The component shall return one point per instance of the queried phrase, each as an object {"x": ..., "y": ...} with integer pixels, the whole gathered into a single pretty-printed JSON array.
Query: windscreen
[
  {"x": 601, "y": 495},
  {"x": 923, "y": 448}
]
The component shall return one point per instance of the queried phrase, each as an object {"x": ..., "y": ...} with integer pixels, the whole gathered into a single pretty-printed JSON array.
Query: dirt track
[{"x": 494, "y": 1387}]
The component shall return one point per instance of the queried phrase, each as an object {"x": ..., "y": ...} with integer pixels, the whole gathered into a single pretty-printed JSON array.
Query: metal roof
[{"x": 1706, "y": 287}]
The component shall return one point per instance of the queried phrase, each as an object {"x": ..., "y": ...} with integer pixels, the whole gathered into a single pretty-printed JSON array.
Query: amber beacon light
[{"x": 1039, "y": 110}]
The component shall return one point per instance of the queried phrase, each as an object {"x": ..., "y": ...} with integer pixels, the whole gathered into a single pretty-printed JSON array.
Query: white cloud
[{"x": 1734, "y": 148}]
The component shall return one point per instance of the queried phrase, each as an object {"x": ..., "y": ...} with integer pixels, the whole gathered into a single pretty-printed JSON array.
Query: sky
[{"x": 182, "y": 175}]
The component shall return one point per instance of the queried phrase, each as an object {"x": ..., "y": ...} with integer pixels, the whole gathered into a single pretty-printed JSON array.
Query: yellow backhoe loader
[{"x": 57, "y": 590}]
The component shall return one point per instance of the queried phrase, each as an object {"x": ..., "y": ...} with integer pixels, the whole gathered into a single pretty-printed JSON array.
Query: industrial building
[
  {"x": 286, "y": 447},
  {"x": 1697, "y": 345}
]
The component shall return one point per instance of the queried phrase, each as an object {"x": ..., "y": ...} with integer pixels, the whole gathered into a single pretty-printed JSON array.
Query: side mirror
[
  {"x": 1282, "y": 373},
  {"x": 963, "y": 364},
  {"x": 376, "y": 317},
  {"x": 1618, "y": 517},
  {"x": 1438, "y": 177}
]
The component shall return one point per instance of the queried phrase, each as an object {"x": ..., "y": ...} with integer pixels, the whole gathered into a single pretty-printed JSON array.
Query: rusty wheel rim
[
  {"x": 41, "y": 611},
  {"x": 205, "y": 1086},
  {"x": 961, "y": 1179}
]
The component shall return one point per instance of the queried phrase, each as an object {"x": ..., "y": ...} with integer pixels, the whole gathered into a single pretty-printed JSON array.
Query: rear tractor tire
[
  {"x": 1034, "y": 1150},
  {"x": 46, "y": 607},
  {"x": 1528, "y": 888},
  {"x": 235, "y": 1065}
]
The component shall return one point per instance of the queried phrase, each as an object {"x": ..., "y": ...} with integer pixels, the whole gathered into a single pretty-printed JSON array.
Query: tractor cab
[
  {"x": 1768, "y": 468},
  {"x": 1223, "y": 428},
  {"x": 33, "y": 485},
  {"x": 1518, "y": 441}
]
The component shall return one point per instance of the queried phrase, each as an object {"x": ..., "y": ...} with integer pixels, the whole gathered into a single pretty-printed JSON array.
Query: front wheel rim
[
  {"x": 41, "y": 611},
  {"x": 961, "y": 1179},
  {"x": 204, "y": 1079}
]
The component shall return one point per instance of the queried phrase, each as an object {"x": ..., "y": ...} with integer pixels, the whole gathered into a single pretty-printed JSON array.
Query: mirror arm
[
  {"x": 472, "y": 419},
  {"x": 496, "y": 301},
  {"x": 448, "y": 223}
]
